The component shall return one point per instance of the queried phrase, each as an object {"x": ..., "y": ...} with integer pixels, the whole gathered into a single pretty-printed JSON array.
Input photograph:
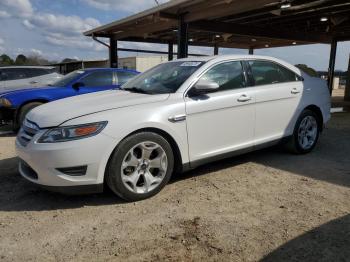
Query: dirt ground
[{"x": 268, "y": 205}]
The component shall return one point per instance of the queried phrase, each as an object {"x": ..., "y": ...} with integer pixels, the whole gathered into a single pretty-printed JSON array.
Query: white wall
[{"x": 141, "y": 63}]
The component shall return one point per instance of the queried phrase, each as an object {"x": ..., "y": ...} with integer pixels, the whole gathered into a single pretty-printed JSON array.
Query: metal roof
[{"x": 236, "y": 23}]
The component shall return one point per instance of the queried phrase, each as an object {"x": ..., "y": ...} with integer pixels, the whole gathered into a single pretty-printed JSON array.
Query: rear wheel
[
  {"x": 23, "y": 112},
  {"x": 306, "y": 133},
  {"x": 140, "y": 166}
]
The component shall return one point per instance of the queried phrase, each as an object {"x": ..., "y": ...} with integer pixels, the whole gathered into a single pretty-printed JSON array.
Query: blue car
[{"x": 14, "y": 105}]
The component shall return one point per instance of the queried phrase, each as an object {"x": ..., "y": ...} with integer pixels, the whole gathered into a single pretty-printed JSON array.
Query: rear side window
[
  {"x": 99, "y": 78},
  {"x": 124, "y": 77},
  {"x": 34, "y": 72},
  {"x": 13, "y": 74},
  {"x": 227, "y": 75},
  {"x": 267, "y": 73}
]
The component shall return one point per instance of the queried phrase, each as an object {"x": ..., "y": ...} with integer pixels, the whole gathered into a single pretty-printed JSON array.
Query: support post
[
  {"x": 182, "y": 39},
  {"x": 331, "y": 66},
  {"x": 170, "y": 51},
  {"x": 216, "y": 49},
  {"x": 347, "y": 86},
  {"x": 251, "y": 50},
  {"x": 113, "y": 53}
]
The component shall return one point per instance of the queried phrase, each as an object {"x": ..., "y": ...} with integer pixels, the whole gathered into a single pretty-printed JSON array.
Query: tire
[
  {"x": 308, "y": 125},
  {"x": 23, "y": 112},
  {"x": 140, "y": 166}
]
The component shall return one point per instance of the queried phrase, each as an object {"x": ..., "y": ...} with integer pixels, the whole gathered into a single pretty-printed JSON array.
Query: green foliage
[
  {"x": 5, "y": 60},
  {"x": 21, "y": 60},
  {"x": 308, "y": 70}
]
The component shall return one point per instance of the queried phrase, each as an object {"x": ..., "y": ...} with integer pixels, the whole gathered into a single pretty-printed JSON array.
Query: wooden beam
[
  {"x": 215, "y": 9},
  {"x": 255, "y": 31},
  {"x": 331, "y": 66},
  {"x": 113, "y": 53},
  {"x": 144, "y": 30}
]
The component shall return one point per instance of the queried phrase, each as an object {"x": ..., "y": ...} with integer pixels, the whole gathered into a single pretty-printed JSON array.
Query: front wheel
[
  {"x": 23, "y": 112},
  {"x": 140, "y": 166},
  {"x": 306, "y": 133}
]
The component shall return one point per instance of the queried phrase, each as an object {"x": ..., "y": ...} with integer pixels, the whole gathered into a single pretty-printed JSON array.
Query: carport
[{"x": 249, "y": 24}]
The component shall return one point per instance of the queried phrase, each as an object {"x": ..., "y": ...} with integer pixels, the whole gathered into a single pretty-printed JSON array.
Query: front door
[
  {"x": 223, "y": 121},
  {"x": 96, "y": 81}
]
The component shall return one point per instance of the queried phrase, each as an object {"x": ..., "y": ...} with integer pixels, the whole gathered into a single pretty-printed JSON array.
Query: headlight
[
  {"x": 67, "y": 133},
  {"x": 5, "y": 102}
]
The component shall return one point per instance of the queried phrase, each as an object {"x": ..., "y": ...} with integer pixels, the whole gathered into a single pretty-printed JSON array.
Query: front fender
[{"x": 124, "y": 121}]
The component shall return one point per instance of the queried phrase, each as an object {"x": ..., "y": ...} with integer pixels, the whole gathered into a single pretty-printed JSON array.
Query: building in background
[{"x": 139, "y": 63}]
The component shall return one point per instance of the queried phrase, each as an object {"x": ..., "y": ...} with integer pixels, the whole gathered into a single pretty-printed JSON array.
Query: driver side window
[
  {"x": 96, "y": 79},
  {"x": 228, "y": 75}
]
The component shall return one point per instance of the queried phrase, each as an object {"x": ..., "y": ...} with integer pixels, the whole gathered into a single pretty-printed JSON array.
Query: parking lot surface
[{"x": 267, "y": 205}]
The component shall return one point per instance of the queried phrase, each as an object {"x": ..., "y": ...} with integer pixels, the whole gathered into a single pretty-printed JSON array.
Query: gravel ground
[{"x": 268, "y": 205}]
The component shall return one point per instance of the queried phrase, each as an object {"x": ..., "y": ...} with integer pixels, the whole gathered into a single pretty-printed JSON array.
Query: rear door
[
  {"x": 223, "y": 121},
  {"x": 278, "y": 94}
]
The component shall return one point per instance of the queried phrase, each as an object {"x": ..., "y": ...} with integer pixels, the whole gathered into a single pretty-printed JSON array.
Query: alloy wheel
[
  {"x": 307, "y": 132},
  {"x": 144, "y": 167}
]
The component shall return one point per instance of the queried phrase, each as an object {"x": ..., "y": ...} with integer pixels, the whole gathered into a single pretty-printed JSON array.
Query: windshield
[
  {"x": 64, "y": 81},
  {"x": 164, "y": 78}
]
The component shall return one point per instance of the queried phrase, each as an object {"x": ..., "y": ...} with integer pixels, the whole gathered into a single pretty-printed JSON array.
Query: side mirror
[
  {"x": 206, "y": 86},
  {"x": 77, "y": 85}
]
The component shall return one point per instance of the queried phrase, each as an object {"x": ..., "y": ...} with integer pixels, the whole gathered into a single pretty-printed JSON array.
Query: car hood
[
  {"x": 57, "y": 112},
  {"x": 16, "y": 91}
]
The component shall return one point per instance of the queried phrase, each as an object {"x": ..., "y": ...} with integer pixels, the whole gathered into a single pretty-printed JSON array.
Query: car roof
[
  {"x": 108, "y": 68},
  {"x": 226, "y": 57},
  {"x": 219, "y": 58},
  {"x": 30, "y": 67}
]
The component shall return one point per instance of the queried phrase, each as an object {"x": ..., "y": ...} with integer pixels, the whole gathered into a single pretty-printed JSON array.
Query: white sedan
[{"x": 172, "y": 118}]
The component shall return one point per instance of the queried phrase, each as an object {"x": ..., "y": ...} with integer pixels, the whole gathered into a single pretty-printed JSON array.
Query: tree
[
  {"x": 21, "y": 60},
  {"x": 67, "y": 60},
  {"x": 5, "y": 60}
]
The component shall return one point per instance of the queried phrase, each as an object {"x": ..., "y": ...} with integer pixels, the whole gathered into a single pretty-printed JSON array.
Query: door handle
[
  {"x": 33, "y": 82},
  {"x": 295, "y": 91},
  {"x": 244, "y": 98}
]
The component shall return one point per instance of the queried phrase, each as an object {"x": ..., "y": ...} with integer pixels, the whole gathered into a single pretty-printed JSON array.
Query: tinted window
[
  {"x": 124, "y": 77},
  {"x": 2, "y": 76},
  {"x": 13, "y": 73},
  {"x": 266, "y": 73},
  {"x": 102, "y": 78},
  {"x": 34, "y": 72},
  {"x": 228, "y": 75}
]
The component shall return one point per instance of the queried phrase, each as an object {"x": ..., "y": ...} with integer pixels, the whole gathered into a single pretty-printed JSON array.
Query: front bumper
[{"x": 43, "y": 163}]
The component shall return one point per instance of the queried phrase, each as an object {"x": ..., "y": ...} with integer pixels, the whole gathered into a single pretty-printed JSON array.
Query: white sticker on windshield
[{"x": 190, "y": 64}]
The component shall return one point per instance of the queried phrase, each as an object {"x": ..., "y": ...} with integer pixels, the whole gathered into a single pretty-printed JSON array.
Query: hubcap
[
  {"x": 307, "y": 132},
  {"x": 144, "y": 167}
]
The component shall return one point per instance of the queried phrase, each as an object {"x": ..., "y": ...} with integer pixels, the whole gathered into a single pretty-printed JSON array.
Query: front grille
[
  {"x": 27, "y": 170},
  {"x": 27, "y": 132}
]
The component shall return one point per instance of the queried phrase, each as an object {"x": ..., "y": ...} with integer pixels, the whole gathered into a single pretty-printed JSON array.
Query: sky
[{"x": 53, "y": 29}]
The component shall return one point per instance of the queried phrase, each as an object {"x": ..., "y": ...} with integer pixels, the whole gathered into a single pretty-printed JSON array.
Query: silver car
[{"x": 21, "y": 77}]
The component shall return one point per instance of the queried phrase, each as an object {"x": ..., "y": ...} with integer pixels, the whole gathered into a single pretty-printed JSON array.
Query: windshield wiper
[{"x": 135, "y": 90}]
